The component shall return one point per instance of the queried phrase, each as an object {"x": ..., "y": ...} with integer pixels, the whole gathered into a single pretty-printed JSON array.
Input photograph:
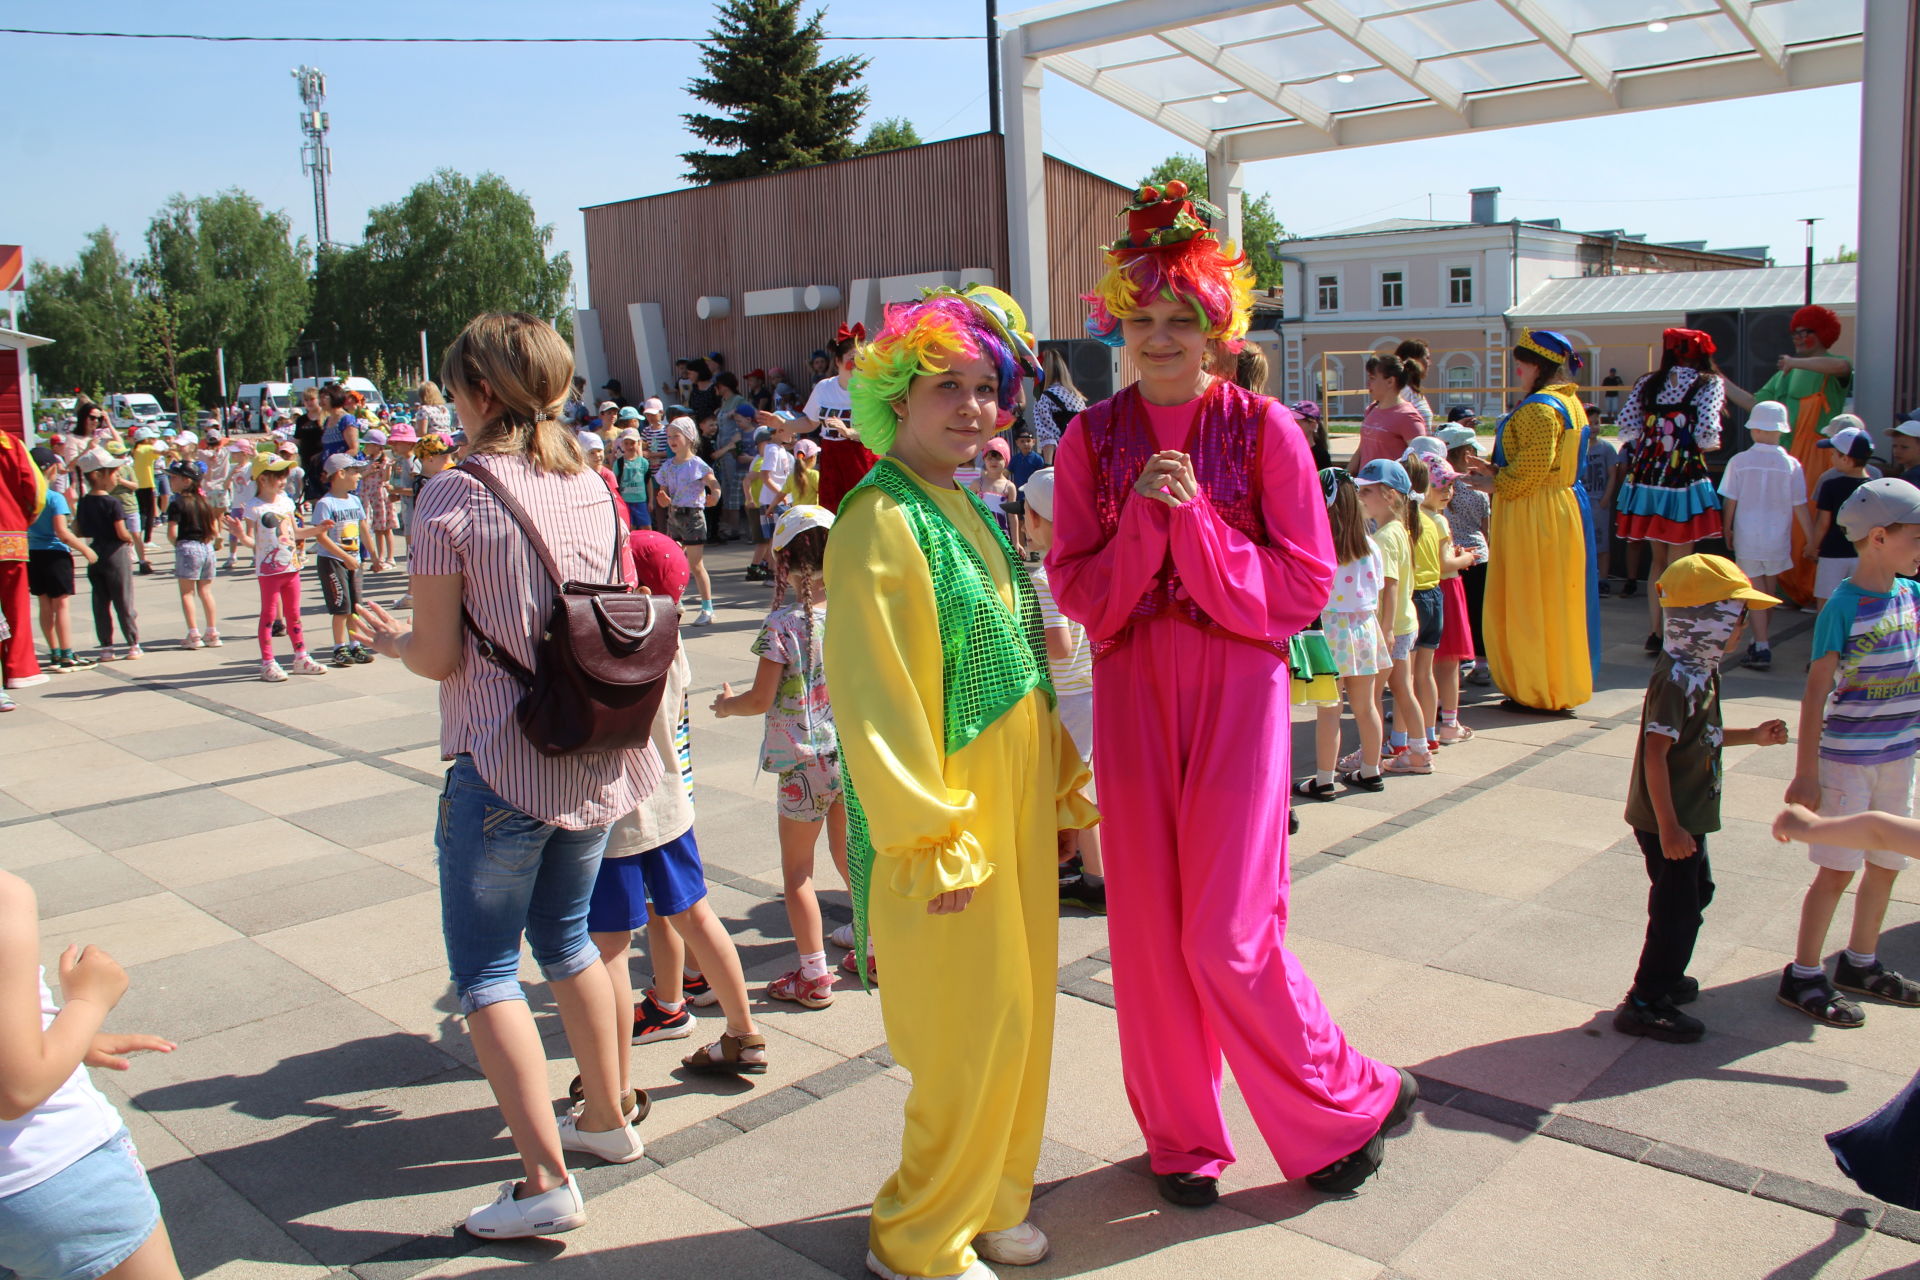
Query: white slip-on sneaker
[
  {"x": 978, "y": 1271},
  {"x": 615, "y": 1146},
  {"x": 842, "y": 937},
  {"x": 1020, "y": 1246},
  {"x": 546, "y": 1214}
]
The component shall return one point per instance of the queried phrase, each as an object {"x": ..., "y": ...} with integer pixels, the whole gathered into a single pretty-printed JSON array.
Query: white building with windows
[{"x": 1360, "y": 291}]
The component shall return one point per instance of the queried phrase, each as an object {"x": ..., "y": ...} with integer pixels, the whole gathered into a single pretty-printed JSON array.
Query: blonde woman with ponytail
[{"x": 520, "y": 834}]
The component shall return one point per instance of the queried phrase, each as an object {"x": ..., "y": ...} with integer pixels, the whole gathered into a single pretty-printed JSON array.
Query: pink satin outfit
[{"x": 1189, "y": 609}]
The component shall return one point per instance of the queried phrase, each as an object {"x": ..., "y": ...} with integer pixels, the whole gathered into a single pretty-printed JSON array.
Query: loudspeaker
[
  {"x": 1090, "y": 363},
  {"x": 1749, "y": 345}
]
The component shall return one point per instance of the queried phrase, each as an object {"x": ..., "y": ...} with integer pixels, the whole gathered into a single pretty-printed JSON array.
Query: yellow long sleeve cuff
[{"x": 924, "y": 873}]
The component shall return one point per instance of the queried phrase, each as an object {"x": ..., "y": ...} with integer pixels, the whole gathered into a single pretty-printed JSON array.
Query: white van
[
  {"x": 134, "y": 409},
  {"x": 279, "y": 394},
  {"x": 372, "y": 393}
]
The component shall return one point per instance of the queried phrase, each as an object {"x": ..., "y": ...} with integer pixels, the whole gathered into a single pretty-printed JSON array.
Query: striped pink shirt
[{"x": 461, "y": 528}]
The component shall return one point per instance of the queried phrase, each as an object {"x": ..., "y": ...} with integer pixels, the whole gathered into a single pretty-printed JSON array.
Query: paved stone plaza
[{"x": 260, "y": 858}]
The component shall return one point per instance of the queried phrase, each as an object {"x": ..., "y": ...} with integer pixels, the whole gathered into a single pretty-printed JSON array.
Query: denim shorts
[
  {"x": 1429, "y": 608},
  {"x": 504, "y": 873},
  {"x": 82, "y": 1222},
  {"x": 193, "y": 561},
  {"x": 671, "y": 877}
]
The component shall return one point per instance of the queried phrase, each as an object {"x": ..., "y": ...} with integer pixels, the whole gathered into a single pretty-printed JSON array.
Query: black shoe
[
  {"x": 1631, "y": 589},
  {"x": 1350, "y": 1171},
  {"x": 1877, "y": 981},
  {"x": 361, "y": 654},
  {"x": 342, "y": 656},
  {"x": 1360, "y": 782},
  {"x": 1657, "y": 1021},
  {"x": 1188, "y": 1190},
  {"x": 1088, "y": 897},
  {"x": 1481, "y": 677},
  {"x": 1685, "y": 991},
  {"x": 145, "y": 569},
  {"x": 1653, "y": 644},
  {"x": 279, "y": 626},
  {"x": 1293, "y": 822},
  {"x": 1606, "y": 591},
  {"x": 1757, "y": 659}
]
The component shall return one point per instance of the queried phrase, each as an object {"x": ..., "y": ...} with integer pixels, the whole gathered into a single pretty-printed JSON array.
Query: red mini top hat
[{"x": 1160, "y": 217}]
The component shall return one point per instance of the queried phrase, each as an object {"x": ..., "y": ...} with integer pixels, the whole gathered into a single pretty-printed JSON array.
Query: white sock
[
  {"x": 1808, "y": 971},
  {"x": 1324, "y": 777},
  {"x": 675, "y": 1007},
  {"x": 813, "y": 965},
  {"x": 1859, "y": 961}
]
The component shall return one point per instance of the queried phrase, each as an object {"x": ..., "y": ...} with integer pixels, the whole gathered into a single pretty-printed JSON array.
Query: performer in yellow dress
[
  {"x": 1539, "y": 645},
  {"x": 936, "y": 663}
]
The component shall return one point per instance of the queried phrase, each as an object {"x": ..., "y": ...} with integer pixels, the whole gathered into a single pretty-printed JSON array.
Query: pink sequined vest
[{"x": 1226, "y": 460}]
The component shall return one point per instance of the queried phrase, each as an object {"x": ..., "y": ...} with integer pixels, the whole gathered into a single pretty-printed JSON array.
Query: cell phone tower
[{"x": 316, "y": 159}]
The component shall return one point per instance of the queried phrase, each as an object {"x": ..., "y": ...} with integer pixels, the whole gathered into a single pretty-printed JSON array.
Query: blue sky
[{"x": 103, "y": 131}]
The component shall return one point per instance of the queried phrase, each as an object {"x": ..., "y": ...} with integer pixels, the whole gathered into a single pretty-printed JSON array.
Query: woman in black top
[
  {"x": 705, "y": 397},
  {"x": 307, "y": 430}
]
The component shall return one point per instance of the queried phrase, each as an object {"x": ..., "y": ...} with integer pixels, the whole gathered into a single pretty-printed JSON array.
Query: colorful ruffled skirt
[{"x": 1668, "y": 495}]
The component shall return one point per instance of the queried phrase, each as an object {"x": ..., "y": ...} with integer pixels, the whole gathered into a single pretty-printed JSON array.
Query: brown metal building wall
[{"x": 940, "y": 207}]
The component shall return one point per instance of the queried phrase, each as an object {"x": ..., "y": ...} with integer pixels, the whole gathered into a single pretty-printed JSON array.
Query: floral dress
[
  {"x": 373, "y": 493},
  {"x": 1665, "y": 434}
]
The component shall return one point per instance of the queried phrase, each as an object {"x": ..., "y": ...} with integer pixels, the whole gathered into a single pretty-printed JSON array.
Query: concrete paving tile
[
  {"x": 117, "y": 777},
  {"x": 425, "y": 759},
  {"x": 134, "y": 931},
  {"x": 316, "y": 788},
  {"x": 243, "y": 762},
  {"x": 1766, "y": 1103},
  {"x": 1580, "y": 775},
  {"x": 422, "y": 1157},
  {"x": 339, "y": 713},
  {"x": 1503, "y": 1040},
  {"x": 1081, "y": 934},
  {"x": 32, "y": 732},
  {"x": 114, "y": 709},
  {"x": 1393, "y": 915},
  {"x": 1325, "y": 824},
  {"x": 681, "y": 1099},
  {"x": 372, "y": 819},
  {"x": 647, "y": 1228},
  {"x": 29, "y": 844},
  {"x": 122, "y": 826},
  {"x": 1623, "y": 1221},
  {"x": 1617, "y": 743},
  {"x": 84, "y": 882},
  {"x": 162, "y": 745},
  {"x": 188, "y": 861},
  {"x": 313, "y": 888},
  {"x": 379, "y": 735},
  {"x": 413, "y": 854},
  {"x": 1501, "y": 727},
  {"x": 1347, "y": 976},
  {"x": 1431, "y": 1163},
  {"x": 1087, "y": 1105},
  {"x": 1459, "y": 854},
  {"x": 1479, "y": 757},
  {"x": 1525, "y": 814},
  {"x": 1112, "y": 1222},
  {"x": 1738, "y": 998},
  {"x": 1564, "y": 953},
  {"x": 424, "y": 1005},
  {"x": 240, "y": 1085},
  {"x": 217, "y": 1234},
  {"x": 197, "y": 993},
  {"x": 364, "y": 948}
]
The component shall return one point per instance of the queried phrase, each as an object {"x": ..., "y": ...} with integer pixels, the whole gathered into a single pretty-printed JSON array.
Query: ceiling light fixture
[
  {"x": 1219, "y": 97},
  {"x": 1345, "y": 77},
  {"x": 1656, "y": 27}
]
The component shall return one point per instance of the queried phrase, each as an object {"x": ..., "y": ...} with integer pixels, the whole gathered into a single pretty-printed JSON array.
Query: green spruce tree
[{"x": 778, "y": 104}]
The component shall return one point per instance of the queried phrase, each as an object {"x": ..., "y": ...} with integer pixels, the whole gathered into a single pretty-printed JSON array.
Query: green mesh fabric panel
[{"x": 989, "y": 659}]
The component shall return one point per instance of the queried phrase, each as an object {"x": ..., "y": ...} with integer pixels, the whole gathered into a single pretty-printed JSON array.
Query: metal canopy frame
[{"x": 1252, "y": 80}]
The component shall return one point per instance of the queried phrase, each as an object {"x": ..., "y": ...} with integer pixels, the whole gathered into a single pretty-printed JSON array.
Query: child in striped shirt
[{"x": 1858, "y": 723}]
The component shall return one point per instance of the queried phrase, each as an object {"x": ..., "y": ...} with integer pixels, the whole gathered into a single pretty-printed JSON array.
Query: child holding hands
[
  {"x": 1357, "y": 623},
  {"x": 1858, "y": 723},
  {"x": 1674, "y": 800}
]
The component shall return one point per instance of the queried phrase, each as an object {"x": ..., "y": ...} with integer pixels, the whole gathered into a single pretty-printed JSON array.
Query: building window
[
  {"x": 1459, "y": 376},
  {"x": 1393, "y": 290},
  {"x": 1460, "y": 286},
  {"x": 1328, "y": 288}
]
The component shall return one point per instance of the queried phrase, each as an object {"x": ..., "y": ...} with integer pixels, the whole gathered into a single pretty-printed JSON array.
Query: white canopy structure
[{"x": 1250, "y": 80}]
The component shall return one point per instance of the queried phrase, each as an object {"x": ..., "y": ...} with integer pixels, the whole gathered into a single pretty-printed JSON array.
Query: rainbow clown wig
[
  {"x": 923, "y": 338},
  {"x": 1170, "y": 252}
]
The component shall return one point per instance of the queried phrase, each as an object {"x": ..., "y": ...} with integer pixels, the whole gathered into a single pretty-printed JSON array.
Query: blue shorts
[
  {"x": 82, "y": 1222},
  {"x": 504, "y": 873},
  {"x": 671, "y": 877},
  {"x": 637, "y": 514}
]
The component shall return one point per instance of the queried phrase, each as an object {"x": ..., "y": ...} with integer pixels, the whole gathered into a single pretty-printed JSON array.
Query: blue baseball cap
[{"x": 1385, "y": 471}]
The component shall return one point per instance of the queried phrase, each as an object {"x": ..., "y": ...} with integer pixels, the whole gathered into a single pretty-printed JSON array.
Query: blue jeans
[{"x": 502, "y": 873}]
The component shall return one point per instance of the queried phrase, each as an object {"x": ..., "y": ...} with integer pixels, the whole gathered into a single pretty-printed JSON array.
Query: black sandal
[
  {"x": 1878, "y": 981},
  {"x": 1314, "y": 789},
  {"x": 1346, "y": 1174},
  {"x": 732, "y": 1060},
  {"x": 638, "y": 1104},
  {"x": 1355, "y": 779},
  {"x": 1816, "y": 998}
]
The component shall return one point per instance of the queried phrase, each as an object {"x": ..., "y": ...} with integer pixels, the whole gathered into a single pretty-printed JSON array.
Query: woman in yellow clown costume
[
  {"x": 937, "y": 664},
  {"x": 1540, "y": 611}
]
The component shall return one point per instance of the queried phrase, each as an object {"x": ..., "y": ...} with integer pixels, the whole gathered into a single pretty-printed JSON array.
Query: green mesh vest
[{"x": 989, "y": 659}]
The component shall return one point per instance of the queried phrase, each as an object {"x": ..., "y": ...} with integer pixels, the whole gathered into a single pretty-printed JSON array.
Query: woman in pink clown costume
[{"x": 1191, "y": 542}]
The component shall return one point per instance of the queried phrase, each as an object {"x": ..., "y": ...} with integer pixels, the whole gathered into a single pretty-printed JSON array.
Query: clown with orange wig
[
  {"x": 1814, "y": 384},
  {"x": 959, "y": 782},
  {"x": 1191, "y": 539}
]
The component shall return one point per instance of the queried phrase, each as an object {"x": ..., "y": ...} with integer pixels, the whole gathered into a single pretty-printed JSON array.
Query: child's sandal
[
  {"x": 1314, "y": 789},
  {"x": 1360, "y": 782},
  {"x": 732, "y": 1059},
  {"x": 1816, "y": 998},
  {"x": 1408, "y": 762}
]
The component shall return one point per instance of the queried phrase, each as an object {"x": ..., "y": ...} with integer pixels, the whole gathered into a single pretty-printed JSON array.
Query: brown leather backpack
[{"x": 600, "y": 668}]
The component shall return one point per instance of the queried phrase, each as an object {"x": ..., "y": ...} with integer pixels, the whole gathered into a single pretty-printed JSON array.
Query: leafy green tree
[
  {"x": 449, "y": 249},
  {"x": 166, "y": 360},
  {"x": 235, "y": 278},
  {"x": 1260, "y": 224},
  {"x": 88, "y": 309},
  {"x": 1845, "y": 255},
  {"x": 779, "y": 105},
  {"x": 890, "y": 134}
]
